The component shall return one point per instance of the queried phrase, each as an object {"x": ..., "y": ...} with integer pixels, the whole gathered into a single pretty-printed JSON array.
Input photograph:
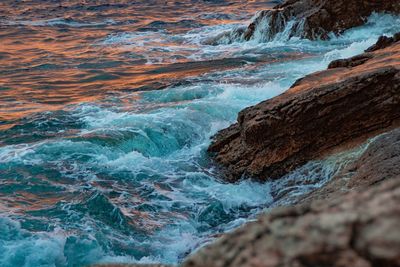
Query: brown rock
[
  {"x": 322, "y": 111},
  {"x": 317, "y": 18},
  {"x": 358, "y": 229}
]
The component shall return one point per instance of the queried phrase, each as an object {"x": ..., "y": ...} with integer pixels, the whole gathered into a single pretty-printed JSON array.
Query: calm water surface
[{"x": 106, "y": 111}]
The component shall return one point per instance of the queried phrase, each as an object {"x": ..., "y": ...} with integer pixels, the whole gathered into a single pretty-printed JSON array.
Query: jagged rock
[
  {"x": 324, "y": 110},
  {"x": 359, "y": 229},
  {"x": 315, "y": 19}
]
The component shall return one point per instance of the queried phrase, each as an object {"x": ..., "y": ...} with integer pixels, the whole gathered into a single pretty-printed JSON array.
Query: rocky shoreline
[
  {"x": 316, "y": 19},
  {"x": 342, "y": 106},
  {"x": 354, "y": 219}
]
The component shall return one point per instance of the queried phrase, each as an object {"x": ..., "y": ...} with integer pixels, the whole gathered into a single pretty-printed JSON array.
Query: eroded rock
[
  {"x": 358, "y": 228},
  {"x": 355, "y": 99}
]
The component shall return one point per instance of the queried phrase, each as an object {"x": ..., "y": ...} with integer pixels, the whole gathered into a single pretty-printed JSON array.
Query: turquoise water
[{"x": 121, "y": 174}]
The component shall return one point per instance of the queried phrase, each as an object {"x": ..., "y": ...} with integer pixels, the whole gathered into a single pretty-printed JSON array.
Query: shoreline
[
  {"x": 343, "y": 207},
  {"x": 339, "y": 224}
]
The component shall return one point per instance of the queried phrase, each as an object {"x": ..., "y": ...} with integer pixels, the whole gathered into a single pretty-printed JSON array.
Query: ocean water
[{"x": 106, "y": 112}]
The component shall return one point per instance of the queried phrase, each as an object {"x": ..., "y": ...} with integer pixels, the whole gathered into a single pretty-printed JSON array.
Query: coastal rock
[
  {"x": 344, "y": 105},
  {"x": 383, "y": 42},
  {"x": 315, "y": 19},
  {"x": 360, "y": 229}
]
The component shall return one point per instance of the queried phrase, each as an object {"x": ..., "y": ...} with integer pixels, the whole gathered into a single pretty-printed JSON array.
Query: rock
[
  {"x": 350, "y": 62},
  {"x": 360, "y": 229},
  {"x": 384, "y": 42},
  {"x": 341, "y": 106},
  {"x": 315, "y": 19},
  {"x": 380, "y": 161}
]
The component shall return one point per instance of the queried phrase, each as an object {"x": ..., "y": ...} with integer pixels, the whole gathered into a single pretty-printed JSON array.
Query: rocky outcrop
[
  {"x": 360, "y": 229},
  {"x": 383, "y": 42},
  {"x": 315, "y": 19},
  {"x": 339, "y": 107}
]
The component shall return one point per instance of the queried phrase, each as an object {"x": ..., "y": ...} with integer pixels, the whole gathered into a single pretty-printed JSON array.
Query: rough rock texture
[
  {"x": 358, "y": 229},
  {"x": 351, "y": 101},
  {"x": 352, "y": 221},
  {"x": 317, "y": 18}
]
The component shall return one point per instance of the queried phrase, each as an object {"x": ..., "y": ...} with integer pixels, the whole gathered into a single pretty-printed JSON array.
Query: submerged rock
[
  {"x": 344, "y": 105},
  {"x": 315, "y": 19}
]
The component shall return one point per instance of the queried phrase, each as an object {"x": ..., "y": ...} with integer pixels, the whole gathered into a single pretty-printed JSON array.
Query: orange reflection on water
[{"x": 52, "y": 55}]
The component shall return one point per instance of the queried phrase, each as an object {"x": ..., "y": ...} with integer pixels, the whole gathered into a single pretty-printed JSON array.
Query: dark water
[{"x": 106, "y": 110}]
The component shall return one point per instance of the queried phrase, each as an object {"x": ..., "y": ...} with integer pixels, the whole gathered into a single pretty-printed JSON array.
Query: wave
[
  {"x": 293, "y": 29},
  {"x": 129, "y": 180}
]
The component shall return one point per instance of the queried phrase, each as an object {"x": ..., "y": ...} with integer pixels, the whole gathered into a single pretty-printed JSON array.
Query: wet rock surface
[
  {"x": 315, "y": 19},
  {"x": 348, "y": 103},
  {"x": 351, "y": 221}
]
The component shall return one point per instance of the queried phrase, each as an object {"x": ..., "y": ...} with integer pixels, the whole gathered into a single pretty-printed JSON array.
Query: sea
[{"x": 106, "y": 112}]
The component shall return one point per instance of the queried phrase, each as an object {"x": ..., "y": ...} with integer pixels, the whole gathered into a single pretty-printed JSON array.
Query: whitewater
[{"x": 103, "y": 140}]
